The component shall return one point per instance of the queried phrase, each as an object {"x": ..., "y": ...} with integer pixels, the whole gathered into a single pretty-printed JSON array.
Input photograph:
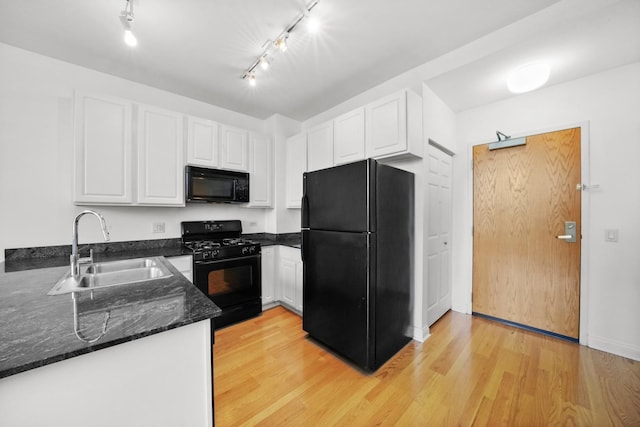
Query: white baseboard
[
  {"x": 421, "y": 334},
  {"x": 614, "y": 347}
]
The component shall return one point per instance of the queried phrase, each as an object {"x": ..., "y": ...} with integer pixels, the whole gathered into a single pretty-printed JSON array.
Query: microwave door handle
[{"x": 234, "y": 190}]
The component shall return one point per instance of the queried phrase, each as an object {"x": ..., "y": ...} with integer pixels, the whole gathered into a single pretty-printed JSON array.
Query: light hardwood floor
[{"x": 471, "y": 371}]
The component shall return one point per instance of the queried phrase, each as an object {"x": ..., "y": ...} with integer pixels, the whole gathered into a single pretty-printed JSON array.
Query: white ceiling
[{"x": 200, "y": 48}]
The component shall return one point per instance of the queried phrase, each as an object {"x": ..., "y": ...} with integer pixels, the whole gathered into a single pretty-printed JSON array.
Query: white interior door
[{"x": 439, "y": 171}]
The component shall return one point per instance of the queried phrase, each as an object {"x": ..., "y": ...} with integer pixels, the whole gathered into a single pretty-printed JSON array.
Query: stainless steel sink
[
  {"x": 126, "y": 264},
  {"x": 113, "y": 273}
]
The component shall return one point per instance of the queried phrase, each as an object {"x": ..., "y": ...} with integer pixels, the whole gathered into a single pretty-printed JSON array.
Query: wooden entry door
[
  {"x": 522, "y": 196},
  {"x": 439, "y": 179}
]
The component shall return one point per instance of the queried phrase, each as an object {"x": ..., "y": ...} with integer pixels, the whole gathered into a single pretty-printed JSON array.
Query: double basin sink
[{"x": 113, "y": 273}]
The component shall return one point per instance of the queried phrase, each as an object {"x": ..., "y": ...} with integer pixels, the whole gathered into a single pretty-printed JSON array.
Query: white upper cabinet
[
  {"x": 296, "y": 165},
  {"x": 320, "y": 147},
  {"x": 202, "y": 142},
  {"x": 103, "y": 150},
  {"x": 234, "y": 153},
  {"x": 260, "y": 170},
  {"x": 349, "y": 142},
  {"x": 160, "y": 141},
  {"x": 394, "y": 126}
]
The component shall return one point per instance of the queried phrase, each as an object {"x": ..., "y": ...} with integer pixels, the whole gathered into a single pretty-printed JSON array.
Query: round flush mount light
[{"x": 528, "y": 77}]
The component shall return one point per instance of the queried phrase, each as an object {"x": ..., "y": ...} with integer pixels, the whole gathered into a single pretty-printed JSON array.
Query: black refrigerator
[{"x": 357, "y": 252}]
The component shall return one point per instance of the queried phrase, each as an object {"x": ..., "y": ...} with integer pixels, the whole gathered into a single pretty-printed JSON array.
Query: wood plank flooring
[{"x": 471, "y": 371}]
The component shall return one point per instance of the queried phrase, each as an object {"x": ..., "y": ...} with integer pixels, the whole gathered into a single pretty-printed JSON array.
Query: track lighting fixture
[
  {"x": 280, "y": 43},
  {"x": 126, "y": 18}
]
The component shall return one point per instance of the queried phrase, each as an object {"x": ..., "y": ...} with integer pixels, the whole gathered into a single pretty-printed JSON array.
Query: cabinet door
[
  {"x": 299, "y": 282},
  {"x": 268, "y": 275},
  {"x": 103, "y": 150},
  {"x": 202, "y": 142},
  {"x": 296, "y": 165},
  {"x": 261, "y": 171},
  {"x": 287, "y": 276},
  {"x": 160, "y": 140},
  {"x": 349, "y": 137},
  {"x": 320, "y": 147},
  {"x": 386, "y": 124},
  {"x": 235, "y": 154}
]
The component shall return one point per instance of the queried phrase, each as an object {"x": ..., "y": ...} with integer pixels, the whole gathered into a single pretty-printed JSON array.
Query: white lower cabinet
[
  {"x": 290, "y": 277},
  {"x": 268, "y": 275},
  {"x": 184, "y": 265}
]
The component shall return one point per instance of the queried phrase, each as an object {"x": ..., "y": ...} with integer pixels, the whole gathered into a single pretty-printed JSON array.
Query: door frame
[{"x": 584, "y": 213}]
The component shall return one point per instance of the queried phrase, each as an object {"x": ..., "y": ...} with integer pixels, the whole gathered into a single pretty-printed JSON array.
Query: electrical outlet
[
  {"x": 252, "y": 224},
  {"x": 158, "y": 227},
  {"x": 611, "y": 235}
]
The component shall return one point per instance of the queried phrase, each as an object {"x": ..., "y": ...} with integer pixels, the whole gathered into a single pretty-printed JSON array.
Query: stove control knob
[
  {"x": 252, "y": 249},
  {"x": 214, "y": 253},
  {"x": 245, "y": 251},
  {"x": 205, "y": 255}
]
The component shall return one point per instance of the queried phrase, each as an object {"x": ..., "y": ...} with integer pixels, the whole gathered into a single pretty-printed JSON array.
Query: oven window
[{"x": 228, "y": 280}]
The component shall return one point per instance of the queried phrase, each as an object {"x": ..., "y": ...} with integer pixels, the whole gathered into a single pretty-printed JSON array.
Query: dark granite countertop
[
  {"x": 55, "y": 256},
  {"x": 267, "y": 239},
  {"x": 37, "y": 329}
]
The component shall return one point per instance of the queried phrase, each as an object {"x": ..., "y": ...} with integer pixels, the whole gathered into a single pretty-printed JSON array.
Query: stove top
[{"x": 216, "y": 240}]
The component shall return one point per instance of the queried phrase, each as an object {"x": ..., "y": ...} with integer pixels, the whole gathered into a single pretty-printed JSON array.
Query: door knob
[{"x": 569, "y": 235}]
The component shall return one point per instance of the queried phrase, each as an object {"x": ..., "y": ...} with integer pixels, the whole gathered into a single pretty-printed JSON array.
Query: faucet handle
[{"x": 87, "y": 260}]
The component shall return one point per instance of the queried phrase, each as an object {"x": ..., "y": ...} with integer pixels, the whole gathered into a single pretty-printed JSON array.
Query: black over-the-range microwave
[{"x": 216, "y": 185}]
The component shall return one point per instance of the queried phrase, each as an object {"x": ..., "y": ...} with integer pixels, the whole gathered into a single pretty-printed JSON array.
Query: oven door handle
[{"x": 223, "y": 260}]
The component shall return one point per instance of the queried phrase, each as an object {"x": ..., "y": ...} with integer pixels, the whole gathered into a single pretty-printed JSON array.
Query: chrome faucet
[{"x": 75, "y": 259}]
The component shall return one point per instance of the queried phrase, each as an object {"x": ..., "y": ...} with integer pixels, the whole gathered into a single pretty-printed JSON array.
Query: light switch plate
[
  {"x": 611, "y": 235},
  {"x": 158, "y": 227}
]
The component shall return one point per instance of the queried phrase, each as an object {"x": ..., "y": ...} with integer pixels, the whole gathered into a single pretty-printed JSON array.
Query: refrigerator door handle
[
  {"x": 303, "y": 247},
  {"x": 304, "y": 217}
]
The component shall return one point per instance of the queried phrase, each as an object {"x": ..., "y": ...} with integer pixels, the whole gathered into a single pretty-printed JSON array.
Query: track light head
[
  {"x": 264, "y": 64},
  {"x": 126, "y": 18},
  {"x": 281, "y": 42}
]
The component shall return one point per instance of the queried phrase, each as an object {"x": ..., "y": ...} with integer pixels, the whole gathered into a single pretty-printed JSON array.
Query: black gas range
[{"x": 226, "y": 267}]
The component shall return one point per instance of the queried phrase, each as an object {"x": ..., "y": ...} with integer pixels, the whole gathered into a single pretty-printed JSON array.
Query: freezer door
[
  {"x": 338, "y": 198},
  {"x": 336, "y": 292}
]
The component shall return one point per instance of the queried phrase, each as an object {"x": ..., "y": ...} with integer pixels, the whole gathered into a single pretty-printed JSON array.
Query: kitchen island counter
[
  {"x": 38, "y": 329},
  {"x": 153, "y": 361}
]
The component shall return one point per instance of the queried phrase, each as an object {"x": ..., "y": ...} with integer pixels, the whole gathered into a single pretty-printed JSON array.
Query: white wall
[
  {"x": 610, "y": 102},
  {"x": 36, "y": 139},
  {"x": 281, "y": 219}
]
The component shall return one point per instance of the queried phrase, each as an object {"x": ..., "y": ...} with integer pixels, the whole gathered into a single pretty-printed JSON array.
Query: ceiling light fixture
[
  {"x": 126, "y": 18},
  {"x": 252, "y": 79},
  {"x": 264, "y": 64},
  {"x": 528, "y": 77},
  {"x": 280, "y": 43}
]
